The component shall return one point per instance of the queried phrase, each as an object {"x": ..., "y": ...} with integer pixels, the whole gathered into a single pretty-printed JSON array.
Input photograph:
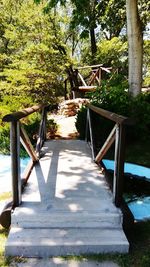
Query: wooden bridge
[
  {"x": 66, "y": 206},
  {"x": 85, "y": 79}
]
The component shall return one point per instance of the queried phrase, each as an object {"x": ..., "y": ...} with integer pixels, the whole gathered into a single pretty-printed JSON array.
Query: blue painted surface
[
  {"x": 130, "y": 168},
  {"x": 140, "y": 208},
  {"x": 5, "y": 165}
]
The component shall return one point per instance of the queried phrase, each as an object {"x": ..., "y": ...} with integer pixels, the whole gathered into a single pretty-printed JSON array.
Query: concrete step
[
  {"x": 57, "y": 242},
  {"x": 66, "y": 220}
]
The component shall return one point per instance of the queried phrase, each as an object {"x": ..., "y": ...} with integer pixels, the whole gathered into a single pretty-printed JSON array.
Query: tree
[
  {"x": 84, "y": 14},
  {"x": 111, "y": 17},
  {"x": 35, "y": 52},
  {"x": 135, "y": 47}
]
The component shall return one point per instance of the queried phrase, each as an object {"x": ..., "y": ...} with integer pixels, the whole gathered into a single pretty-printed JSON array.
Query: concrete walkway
[{"x": 67, "y": 207}]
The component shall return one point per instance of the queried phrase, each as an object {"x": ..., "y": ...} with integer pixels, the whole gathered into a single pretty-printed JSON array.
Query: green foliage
[
  {"x": 112, "y": 17},
  {"x": 113, "y": 53},
  {"x": 146, "y": 63},
  {"x": 31, "y": 125},
  {"x": 32, "y": 51},
  {"x": 81, "y": 121},
  {"x": 52, "y": 128},
  {"x": 113, "y": 96}
]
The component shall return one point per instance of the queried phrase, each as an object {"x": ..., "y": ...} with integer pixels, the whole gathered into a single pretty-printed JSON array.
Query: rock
[{"x": 71, "y": 107}]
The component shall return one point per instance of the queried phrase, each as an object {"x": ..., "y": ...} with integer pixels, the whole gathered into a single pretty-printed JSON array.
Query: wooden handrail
[
  {"x": 118, "y": 135},
  {"x": 15, "y": 116},
  {"x": 17, "y": 135},
  {"x": 110, "y": 115},
  {"x": 92, "y": 66}
]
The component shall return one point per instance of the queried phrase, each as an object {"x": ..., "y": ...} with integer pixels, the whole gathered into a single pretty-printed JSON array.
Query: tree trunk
[
  {"x": 93, "y": 41},
  {"x": 135, "y": 47}
]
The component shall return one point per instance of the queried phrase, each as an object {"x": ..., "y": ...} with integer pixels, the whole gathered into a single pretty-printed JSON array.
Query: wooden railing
[
  {"x": 90, "y": 83},
  {"x": 118, "y": 135},
  {"x": 18, "y": 135}
]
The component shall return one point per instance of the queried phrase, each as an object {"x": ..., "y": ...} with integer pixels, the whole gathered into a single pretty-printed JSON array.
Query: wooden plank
[
  {"x": 27, "y": 173},
  {"x": 106, "y": 69},
  {"x": 27, "y": 144},
  {"x": 21, "y": 114},
  {"x": 100, "y": 76},
  {"x": 94, "y": 77},
  {"x": 87, "y": 87},
  {"x": 92, "y": 66},
  {"x": 109, "y": 141},
  {"x": 110, "y": 115},
  {"x": 82, "y": 80}
]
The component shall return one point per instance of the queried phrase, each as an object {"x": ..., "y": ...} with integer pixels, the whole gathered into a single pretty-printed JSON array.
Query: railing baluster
[
  {"x": 15, "y": 161},
  {"x": 91, "y": 135},
  {"x": 87, "y": 125},
  {"x": 119, "y": 164},
  {"x": 119, "y": 132}
]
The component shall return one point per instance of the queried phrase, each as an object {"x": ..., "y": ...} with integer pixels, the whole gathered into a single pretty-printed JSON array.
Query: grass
[
  {"x": 139, "y": 152},
  {"x": 5, "y": 196},
  {"x": 3, "y": 236},
  {"x": 139, "y": 255}
]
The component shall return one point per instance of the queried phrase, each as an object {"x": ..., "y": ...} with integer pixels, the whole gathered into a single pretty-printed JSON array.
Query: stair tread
[{"x": 62, "y": 241}]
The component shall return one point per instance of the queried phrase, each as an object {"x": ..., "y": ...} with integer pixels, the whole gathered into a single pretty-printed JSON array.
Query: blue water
[
  {"x": 5, "y": 165},
  {"x": 139, "y": 206}
]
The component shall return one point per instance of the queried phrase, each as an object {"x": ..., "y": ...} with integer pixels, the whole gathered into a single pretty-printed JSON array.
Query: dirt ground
[{"x": 66, "y": 126}]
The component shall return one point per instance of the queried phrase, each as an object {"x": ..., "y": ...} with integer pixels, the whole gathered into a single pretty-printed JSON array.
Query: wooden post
[
  {"x": 119, "y": 164},
  {"x": 65, "y": 89},
  {"x": 15, "y": 161},
  {"x": 100, "y": 76},
  {"x": 91, "y": 134}
]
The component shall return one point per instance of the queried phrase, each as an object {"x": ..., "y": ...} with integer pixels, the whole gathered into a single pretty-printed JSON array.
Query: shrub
[
  {"x": 31, "y": 125},
  {"x": 81, "y": 121},
  {"x": 112, "y": 95},
  {"x": 52, "y": 128}
]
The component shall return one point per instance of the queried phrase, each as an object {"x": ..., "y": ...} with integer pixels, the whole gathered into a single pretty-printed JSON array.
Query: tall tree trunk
[
  {"x": 93, "y": 41},
  {"x": 135, "y": 47}
]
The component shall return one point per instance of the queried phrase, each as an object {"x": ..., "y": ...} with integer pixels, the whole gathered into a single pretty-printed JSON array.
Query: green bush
[
  {"x": 113, "y": 96},
  {"x": 30, "y": 123}
]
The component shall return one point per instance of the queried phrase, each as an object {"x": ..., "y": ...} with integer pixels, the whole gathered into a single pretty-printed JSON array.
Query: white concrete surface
[{"x": 67, "y": 207}]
